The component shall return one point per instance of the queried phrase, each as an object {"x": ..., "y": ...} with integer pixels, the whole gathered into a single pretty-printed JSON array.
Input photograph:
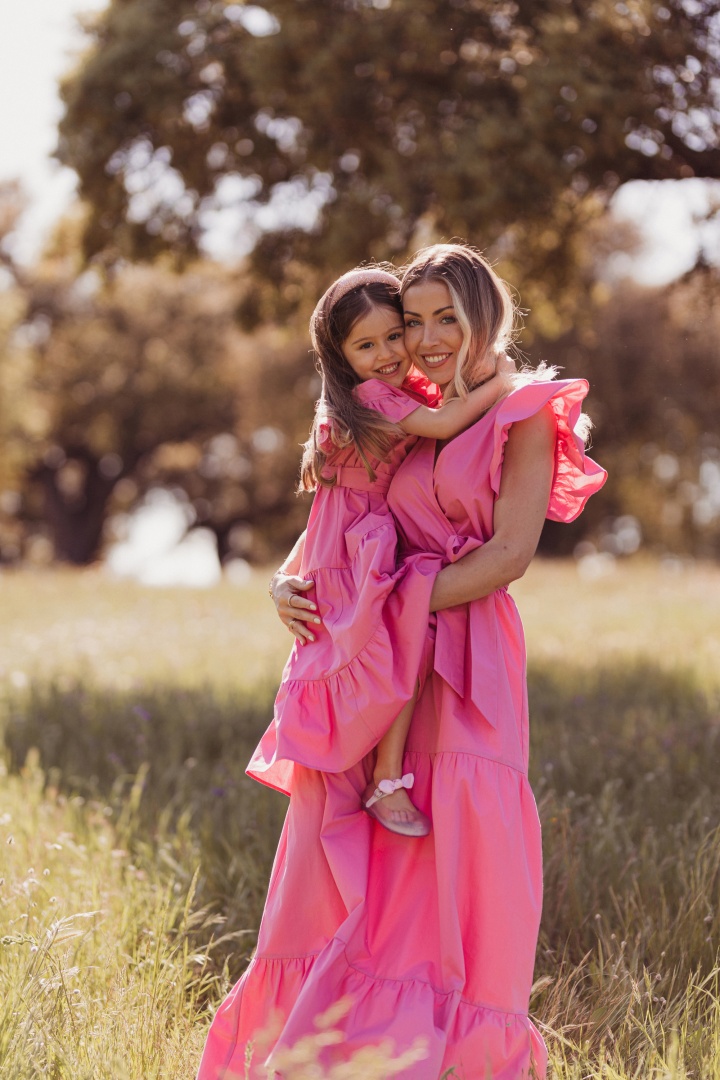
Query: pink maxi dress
[{"x": 432, "y": 938}]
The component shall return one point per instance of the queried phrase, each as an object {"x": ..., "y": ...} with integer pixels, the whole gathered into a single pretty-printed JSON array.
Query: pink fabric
[
  {"x": 432, "y": 937},
  {"x": 339, "y": 695}
]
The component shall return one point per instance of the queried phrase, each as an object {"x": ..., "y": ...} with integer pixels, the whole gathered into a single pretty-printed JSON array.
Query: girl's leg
[{"x": 398, "y": 807}]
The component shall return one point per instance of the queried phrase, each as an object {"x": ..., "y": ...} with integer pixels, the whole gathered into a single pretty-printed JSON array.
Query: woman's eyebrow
[{"x": 448, "y": 307}]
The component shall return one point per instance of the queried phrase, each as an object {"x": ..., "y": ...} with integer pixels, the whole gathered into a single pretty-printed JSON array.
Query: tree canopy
[
  {"x": 109, "y": 388},
  {"x": 350, "y": 129}
]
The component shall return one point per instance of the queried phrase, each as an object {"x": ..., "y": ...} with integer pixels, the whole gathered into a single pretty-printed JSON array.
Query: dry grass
[{"x": 143, "y": 707}]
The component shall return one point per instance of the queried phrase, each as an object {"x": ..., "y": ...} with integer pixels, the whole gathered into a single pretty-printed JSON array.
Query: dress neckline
[{"x": 438, "y": 452}]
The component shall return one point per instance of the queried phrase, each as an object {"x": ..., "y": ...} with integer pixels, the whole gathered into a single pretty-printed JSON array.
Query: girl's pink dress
[
  {"x": 432, "y": 938},
  {"x": 340, "y": 694}
]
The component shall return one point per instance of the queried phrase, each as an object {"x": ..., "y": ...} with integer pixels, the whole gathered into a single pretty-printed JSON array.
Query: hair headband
[{"x": 345, "y": 284}]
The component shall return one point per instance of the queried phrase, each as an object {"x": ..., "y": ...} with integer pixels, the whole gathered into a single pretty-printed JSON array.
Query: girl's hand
[
  {"x": 506, "y": 365},
  {"x": 295, "y": 610}
]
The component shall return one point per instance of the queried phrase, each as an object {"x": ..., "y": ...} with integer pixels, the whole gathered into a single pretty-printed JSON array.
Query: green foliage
[
  {"x": 98, "y": 974},
  {"x": 653, "y": 362},
  {"x": 113, "y": 386},
  {"x": 136, "y": 783},
  {"x": 508, "y": 124}
]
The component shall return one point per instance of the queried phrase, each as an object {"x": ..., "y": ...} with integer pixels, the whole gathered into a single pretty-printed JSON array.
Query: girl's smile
[{"x": 375, "y": 348}]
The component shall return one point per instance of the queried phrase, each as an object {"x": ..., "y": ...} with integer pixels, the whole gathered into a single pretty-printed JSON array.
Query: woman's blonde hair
[
  {"x": 483, "y": 303},
  {"x": 487, "y": 314},
  {"x": 351, "y": 422}
]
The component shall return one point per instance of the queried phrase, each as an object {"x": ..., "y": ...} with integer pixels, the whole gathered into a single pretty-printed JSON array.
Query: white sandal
[{"x": 419, "y": 823}]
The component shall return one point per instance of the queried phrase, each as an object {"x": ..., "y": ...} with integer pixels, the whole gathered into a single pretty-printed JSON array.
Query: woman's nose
[{"x": 429, "y": 336}]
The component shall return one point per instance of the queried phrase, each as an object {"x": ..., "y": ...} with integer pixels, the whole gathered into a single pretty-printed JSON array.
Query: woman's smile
[
  {"x": 435, "y": 359},
  {"x": 433, "y": 335}
]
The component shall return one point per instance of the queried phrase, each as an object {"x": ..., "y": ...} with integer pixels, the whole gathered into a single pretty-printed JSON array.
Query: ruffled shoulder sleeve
[
  {"x": 324, "y": 431},
  {"x": 324, "y": 436},
  {"x": 577, "y": 476},
  {"x": 390, "y": 401}
]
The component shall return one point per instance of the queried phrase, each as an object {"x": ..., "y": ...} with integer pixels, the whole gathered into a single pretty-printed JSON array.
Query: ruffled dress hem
[
  {"x": 476, "y": 1039},
  {"x": 332, "y": 722}
]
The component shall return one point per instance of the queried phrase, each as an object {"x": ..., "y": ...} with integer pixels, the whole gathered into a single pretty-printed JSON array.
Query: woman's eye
[
  {"x": 448, "y": 319},
  {"x": 411, "y": 322}
]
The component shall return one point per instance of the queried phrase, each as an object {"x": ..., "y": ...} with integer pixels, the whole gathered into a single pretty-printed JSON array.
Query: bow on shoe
[{"x": 387, "y": 787}]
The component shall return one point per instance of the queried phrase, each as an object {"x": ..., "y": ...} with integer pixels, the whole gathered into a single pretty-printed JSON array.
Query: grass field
[{"x": 134, "y": 855}]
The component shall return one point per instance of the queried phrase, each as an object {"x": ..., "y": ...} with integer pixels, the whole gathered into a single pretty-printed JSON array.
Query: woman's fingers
[
  {"x": 302, "y": 632},
  {"x": 296, "y": 611}
]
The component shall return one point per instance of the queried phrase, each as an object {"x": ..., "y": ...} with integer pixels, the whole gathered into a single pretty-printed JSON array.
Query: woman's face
[
  {"x": 375, "y": 347},
  {"x": 433, "y": 336}
]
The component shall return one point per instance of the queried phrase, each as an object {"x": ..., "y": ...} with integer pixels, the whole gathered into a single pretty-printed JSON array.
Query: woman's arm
[
  {"x": 458, "y": 414},
  {"x": 286, "y": 589},
  {"x": 292, "y": 563},
  {"x": 519, "y": 514}
]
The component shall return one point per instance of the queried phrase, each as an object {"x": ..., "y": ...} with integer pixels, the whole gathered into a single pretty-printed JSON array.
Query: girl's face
[
  {"x": 433, "y": 335},
  {"x": 375, "y": 347}
]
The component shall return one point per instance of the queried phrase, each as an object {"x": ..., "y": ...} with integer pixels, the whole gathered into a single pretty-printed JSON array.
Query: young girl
[{"x": 354, "y": 687}]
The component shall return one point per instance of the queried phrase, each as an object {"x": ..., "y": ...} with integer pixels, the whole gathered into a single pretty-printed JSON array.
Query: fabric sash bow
[{"x": 466, "y": 643}]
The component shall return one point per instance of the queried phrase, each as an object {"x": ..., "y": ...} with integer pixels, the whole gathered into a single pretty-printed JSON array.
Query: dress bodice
[
  {"x": 445, "y": 507},
  {"x": 444, "y": 504}
]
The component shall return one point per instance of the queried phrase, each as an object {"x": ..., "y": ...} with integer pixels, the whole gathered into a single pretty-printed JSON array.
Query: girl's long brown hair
[{"x": 350, "y": 421}]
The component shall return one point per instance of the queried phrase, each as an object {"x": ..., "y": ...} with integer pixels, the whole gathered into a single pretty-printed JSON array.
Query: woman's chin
[{"x": 442, "y": 375}]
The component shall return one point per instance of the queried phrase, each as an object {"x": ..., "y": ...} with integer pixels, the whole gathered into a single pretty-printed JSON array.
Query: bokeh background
[
  {"x": 221, "y": 162},
  {"x": 216, "y": 164}
]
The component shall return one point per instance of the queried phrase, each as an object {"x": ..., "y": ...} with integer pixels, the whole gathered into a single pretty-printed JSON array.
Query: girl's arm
[
  {"x": 286, "y": 589},
  {"x": 454, "y": 416},
  {"x": 519, "y": 514}
]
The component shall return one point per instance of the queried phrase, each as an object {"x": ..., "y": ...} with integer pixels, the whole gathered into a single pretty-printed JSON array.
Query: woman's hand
[{"x": 296, "y": 611}]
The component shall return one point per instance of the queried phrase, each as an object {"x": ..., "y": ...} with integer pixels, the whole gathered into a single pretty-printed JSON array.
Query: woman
[{"x": 434, "y": 937}]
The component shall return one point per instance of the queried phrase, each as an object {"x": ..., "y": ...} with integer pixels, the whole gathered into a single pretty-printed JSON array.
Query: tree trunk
[{"x": 75, "y": 499}]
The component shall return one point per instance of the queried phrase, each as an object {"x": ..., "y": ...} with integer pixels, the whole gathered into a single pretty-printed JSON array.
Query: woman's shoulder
[
  {"x": 555, "y": 402},
  {"x": 541, "y": 391}
]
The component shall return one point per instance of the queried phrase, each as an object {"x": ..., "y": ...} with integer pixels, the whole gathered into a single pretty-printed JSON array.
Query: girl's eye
[
  {"x": 395, "y": 336},
  {"x": 366, "y": 345}
]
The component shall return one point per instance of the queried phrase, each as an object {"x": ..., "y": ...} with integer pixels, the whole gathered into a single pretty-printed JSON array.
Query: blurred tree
[
  {"x": 13, "y": 372},
  {"x": 652, "y": 356},
  {"x": 348, "y": 129},
  {"x": 110, "y": 388}
]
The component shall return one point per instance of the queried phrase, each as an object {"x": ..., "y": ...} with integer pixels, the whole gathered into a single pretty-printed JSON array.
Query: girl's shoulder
[{"x": 396, "y": 402}]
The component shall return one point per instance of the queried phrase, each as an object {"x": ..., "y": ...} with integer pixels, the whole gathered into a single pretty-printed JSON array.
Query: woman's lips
[{"x": 436, "y": 359}]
